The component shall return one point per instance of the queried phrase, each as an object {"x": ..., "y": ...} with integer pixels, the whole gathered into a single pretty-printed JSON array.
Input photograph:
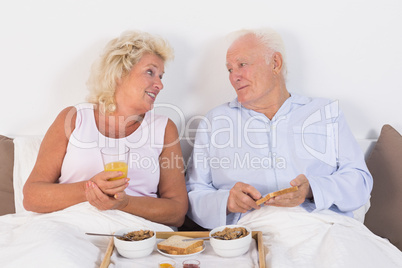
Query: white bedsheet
[
  {"x": 296, "y": 238},
  {"x": 58, "y": 239}
]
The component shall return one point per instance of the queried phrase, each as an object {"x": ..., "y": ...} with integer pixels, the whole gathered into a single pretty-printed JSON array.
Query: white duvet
[
  {"x": 294, "y": 238},
  {"x": 58, "y": 239},
  {"x": 297, "y": 238}
]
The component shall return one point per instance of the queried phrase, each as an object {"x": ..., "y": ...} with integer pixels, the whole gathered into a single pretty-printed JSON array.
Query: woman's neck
[{"x": 117, "y": 125}]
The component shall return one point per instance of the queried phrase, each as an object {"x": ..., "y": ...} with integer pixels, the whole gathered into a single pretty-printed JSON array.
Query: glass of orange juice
[
  {"x": 116, "y": 159},
  {"x": 167, "y": 264}
]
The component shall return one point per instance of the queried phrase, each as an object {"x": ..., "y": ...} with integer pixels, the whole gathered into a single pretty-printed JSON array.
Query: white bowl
[
  {"x": 230, "y": 248},
  {"x": 134, "y": 249}
]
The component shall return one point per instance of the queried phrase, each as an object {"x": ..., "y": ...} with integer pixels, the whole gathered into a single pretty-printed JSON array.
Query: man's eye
[
  {"x": 242, "y": 64},
  {"x": 150, "y": 72},
  {"x": 230, "y": 70}
]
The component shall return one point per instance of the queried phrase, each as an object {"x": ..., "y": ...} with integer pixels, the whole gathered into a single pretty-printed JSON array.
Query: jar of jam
[{"x": 191, "y": 264}]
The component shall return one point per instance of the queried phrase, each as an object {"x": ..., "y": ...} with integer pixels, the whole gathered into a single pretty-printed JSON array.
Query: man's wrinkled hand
[
  {"x": 293, "y": 199},
  {"x": 242, "y": 198}
]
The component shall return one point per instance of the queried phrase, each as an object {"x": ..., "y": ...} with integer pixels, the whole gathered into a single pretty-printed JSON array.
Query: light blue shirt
[{"x": 307, "y": 136}]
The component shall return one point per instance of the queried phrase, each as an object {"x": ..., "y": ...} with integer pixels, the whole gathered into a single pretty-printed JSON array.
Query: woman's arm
[
  {"x": 172, "y": 204},
  {"x": 41, "y": 192}
]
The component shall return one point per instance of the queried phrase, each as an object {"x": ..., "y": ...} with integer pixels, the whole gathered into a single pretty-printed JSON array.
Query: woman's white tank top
[{"x": 83, "y": 158}]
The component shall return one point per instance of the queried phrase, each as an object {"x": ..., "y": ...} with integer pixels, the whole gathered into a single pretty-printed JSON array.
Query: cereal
[
  {"x": 137, "y": 235},
  {"x": 231, "y": 233}
]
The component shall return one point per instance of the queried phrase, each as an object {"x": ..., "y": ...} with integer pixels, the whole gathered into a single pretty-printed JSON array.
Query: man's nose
[{"x": 236, "y": 75}]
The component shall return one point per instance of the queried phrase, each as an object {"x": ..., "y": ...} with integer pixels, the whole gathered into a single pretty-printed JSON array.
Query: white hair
[{"x": 269, "y": 38}]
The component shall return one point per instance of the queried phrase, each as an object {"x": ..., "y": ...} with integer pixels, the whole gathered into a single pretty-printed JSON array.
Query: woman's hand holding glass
[{"x": 104, "y": 194}]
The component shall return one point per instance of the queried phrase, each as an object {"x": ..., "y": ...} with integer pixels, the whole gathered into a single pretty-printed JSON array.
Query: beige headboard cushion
[
  {"x": 384, "y": 217},
  {"x": 6, "y": 175}
]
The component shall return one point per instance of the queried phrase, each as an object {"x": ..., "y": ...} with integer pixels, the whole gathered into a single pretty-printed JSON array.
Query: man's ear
[{"x": 277, "y": 62}]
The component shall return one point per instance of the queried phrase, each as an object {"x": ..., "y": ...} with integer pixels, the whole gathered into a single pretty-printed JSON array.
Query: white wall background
[{"x": 348, "y": 50}]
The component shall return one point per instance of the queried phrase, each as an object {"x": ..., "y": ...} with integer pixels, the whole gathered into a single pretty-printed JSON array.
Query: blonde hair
[
  {"x": 269, "y": 38},
  {"x": 117, "y": 60}
]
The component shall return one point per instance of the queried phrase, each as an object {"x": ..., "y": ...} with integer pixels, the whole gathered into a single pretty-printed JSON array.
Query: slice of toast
[
  {"x": 273, "y": 194},
  {"x": 191, "y": 251},
  {"x": 175, "y": 245}
]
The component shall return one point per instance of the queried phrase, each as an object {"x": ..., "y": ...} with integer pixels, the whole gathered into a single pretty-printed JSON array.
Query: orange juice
[
  {"x": 117, "y": 166},
  {"x": 165, "y": 265}
]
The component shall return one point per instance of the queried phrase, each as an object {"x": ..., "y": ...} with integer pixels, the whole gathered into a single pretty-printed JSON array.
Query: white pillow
[{"x": 26, "y": 150}]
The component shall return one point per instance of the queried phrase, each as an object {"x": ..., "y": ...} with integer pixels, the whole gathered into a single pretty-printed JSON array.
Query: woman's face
[{"x": 137, "y": 91}]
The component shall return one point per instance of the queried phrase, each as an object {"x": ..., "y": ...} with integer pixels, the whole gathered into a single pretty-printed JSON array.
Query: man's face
[{"x": 249, "y": 73}]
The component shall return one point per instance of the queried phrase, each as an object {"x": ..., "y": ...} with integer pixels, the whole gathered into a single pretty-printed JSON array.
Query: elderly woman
[{"x": 124, "y": 85}]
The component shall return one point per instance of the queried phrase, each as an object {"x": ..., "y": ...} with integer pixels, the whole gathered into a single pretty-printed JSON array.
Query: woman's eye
[{"x": 150, "y": 72}]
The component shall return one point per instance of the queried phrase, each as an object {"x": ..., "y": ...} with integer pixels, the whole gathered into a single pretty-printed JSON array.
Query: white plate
[{"x": 181, "y": 256}]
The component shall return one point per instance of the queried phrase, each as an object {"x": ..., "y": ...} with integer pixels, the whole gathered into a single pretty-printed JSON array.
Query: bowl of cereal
[
  {"x": 230, "y": 240},
  {"x": 135, "y": 242}
]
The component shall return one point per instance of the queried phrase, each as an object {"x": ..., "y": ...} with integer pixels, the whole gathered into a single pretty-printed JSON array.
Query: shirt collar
[
  {"x": 235, "y": 104},
  {"x": 298, "y": 99}
]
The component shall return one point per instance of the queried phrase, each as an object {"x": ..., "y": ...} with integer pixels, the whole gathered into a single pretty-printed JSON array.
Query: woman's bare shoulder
[
  {"x": 66, "y": 120},
  {"x": 171, "y": 133},
  {"x": 63, "y": 125}
]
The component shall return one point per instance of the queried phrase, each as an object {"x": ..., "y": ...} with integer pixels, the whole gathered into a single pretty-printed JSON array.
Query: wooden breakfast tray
[{"x": 256, "y": 235}]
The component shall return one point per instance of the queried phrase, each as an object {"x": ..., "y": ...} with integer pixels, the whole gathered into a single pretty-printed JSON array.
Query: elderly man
[{"x": 269, "y": 139}]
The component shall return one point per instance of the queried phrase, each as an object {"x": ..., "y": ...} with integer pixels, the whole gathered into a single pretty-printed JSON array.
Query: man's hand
[
  {"x": 242, "y": 198},
  {"x": 293, "y": 199}
]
